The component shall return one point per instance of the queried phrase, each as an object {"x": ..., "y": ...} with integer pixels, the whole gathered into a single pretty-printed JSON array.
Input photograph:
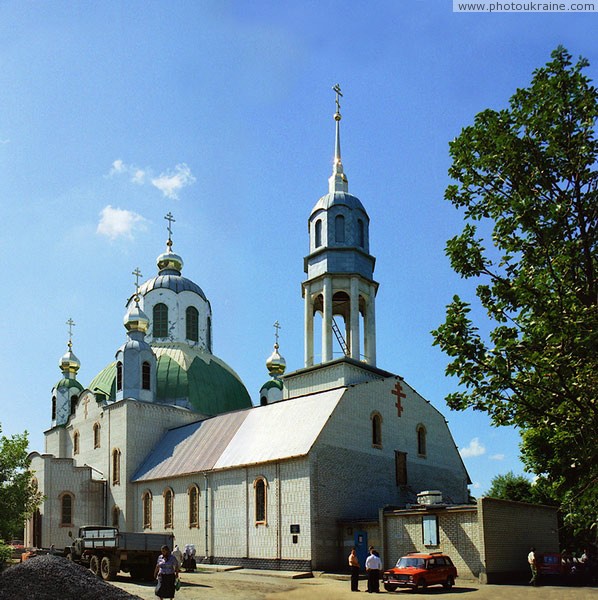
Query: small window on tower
[
  {"x": 119, "y": 376},
  {"x": 318, "y": 231},
  {"x": 53, "y": 408},
  {"x": 76, "y": 442},
  {"x": 339, "y": 228},
  {"x": 160, "y": 326},
  {"x": 146, "y": 376},
  {"x": 192, "y": 324},
  {"x": 360, "y": 233},
  {"x": 96, "y": 435}
]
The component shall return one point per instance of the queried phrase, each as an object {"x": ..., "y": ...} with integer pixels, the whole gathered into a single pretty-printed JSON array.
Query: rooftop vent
[{"x": 428, "y": 497}]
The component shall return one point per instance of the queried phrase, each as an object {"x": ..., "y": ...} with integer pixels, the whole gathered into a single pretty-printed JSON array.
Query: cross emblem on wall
[{"x": 399, "y": 393}]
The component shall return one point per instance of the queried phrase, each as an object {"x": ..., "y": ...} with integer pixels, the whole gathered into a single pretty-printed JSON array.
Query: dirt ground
[{"x": 249, "y": 585}]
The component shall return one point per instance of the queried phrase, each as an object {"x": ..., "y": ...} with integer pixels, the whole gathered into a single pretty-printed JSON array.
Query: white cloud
[
  {"x": 497, "y": 457},
  {"x": 476, "y": 485},
  {"x": 6, "y": 141},
  {"x": 170, "y": 183},
  {"x": 116, "y": 222},
  {"x": 475, "y": 448}
]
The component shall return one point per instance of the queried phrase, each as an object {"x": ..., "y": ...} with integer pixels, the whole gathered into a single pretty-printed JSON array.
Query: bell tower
[{"x": 340, "y": 286}]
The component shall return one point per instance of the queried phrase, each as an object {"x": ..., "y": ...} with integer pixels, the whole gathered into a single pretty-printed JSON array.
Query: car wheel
[
  {"x": 389, "y": 587},
  {"x": 94, "y": 565},
  {"x": 450, "y": 582}
]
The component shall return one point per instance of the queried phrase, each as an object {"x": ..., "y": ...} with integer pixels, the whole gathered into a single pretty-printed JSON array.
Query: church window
[
  {"x": 76, "y": 442},
  {"x": 209, "y": 334},
  {"x": 401, "y": 467},
  {"x": 194, "y": 506},
  {"x": 74, "y": 400},
  {"x": 115, "y": 516},
  {"x": 192, "y": 324},
  {"x": 430, "y": 530},
  {"x": 168, "y": 508},
  {"x": 147, "y": 510},
  {"x": 260, "y": 500},
  {"x": 377, "y": 430},
  {"x": 119, "y": 376},
  {"x": 263, "y": 400},
  {"x": 96, "y": 435},
  {"x": 318, "y": 228},
  {"x": 339, "y": 229},
  {"x": 116, "y": 466},
  {"x": 145, "y": 376},
  {"x": 421, "y": 440},
  {"x": 160, "y": 328},
  {"x": 360, "y": 233},
  {"x": 66, "y": 510},
  {"x": 53, "y": 408}
]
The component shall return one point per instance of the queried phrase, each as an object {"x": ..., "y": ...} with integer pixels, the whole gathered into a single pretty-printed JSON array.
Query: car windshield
[{"x": 407, "y": 561}]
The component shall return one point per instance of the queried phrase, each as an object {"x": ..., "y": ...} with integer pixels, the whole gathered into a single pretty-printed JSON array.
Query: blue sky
[{"x": 115, "y": 113}]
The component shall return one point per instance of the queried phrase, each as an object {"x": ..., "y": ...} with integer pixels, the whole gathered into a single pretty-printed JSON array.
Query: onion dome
[
  {"x": 169, "y": 263},
  {"x": 275, "y": 363},
  {"x": 69, "y": 363},
  {"x": 136, "y": 319}
]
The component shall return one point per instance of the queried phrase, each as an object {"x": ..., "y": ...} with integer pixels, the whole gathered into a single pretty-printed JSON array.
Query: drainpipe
[{"x": 205, "y": 475}]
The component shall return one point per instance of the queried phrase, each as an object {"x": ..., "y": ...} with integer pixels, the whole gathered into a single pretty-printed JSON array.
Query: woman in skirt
[{"x": 166, "y": 572}]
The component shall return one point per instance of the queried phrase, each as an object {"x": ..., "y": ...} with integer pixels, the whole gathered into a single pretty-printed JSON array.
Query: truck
[{"x": 106, "y": 551}]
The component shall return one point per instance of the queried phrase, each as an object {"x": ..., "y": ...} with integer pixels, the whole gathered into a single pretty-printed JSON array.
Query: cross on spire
[
  {"x": 337, "y": 91},
  {"x": 276, "y": 327},
  {"x": 170, "y": 220},
  {"x": 71, "y": 324},
  {"x": 137, "y": 274}
]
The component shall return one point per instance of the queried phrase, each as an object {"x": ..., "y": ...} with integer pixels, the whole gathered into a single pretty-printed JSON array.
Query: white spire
[{"x": 338, "y": 181}]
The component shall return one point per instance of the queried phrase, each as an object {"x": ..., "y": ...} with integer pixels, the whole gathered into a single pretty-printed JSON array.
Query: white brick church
[{"x": 166, "y": 438}]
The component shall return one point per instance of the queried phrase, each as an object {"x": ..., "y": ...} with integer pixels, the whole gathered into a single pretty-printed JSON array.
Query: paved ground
[{"x": 246, "y": 584}]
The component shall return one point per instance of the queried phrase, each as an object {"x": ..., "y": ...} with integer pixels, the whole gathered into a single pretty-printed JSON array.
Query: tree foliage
[
  {"x": 512, "y": 487},
  {"x": 527, "y": 181},
  {"x": 18, "y": 496}
]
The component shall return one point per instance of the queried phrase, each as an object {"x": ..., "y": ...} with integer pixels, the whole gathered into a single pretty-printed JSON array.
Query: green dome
[
  {"x": 272, "y": 383},
  {"x": 187, "y": 374},
  {"x": 69, "y": 383}
]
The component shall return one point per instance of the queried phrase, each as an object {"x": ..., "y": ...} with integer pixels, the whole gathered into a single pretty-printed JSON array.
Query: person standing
[
  {"x": 354, "y": 567},
  {"x": 166, "y": 572},
  {"x": 531, "y": 559},
  {"x": 373, "y": 565},
  {"x": 178, "y": 555}
]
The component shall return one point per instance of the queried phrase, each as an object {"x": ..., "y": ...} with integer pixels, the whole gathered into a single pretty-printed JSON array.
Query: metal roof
[
  {"x": 176, "y": 283},
  {"x": 276, "y": 431}
]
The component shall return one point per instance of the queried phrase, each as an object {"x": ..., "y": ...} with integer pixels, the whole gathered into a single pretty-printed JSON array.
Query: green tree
[
  {"x": 511, "y": 487},
  {"x": 526, "y": 178},
  {"x": 18, "y": 496}
]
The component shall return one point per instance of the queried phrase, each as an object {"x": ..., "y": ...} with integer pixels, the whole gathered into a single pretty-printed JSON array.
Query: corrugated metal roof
[{"x": 260, "y": 434}]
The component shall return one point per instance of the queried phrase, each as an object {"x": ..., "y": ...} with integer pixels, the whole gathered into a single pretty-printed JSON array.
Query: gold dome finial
[
  {"x": 136, "y": 319},
  {"x": 169, "y": 261},
  {"x": 276, "y": 364},
  {"x": 69, "y": 363}
]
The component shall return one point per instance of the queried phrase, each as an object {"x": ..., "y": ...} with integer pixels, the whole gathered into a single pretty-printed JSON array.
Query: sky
[{"x": 113, "y": 114}]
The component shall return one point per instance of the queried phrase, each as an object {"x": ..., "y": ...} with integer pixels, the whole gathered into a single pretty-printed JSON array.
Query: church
[{"x": 166, "y": 437}]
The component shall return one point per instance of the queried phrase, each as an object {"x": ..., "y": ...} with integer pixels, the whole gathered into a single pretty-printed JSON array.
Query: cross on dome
[
  {"x": 71, "y": 324},
  {"x": 170, "y": 220},
  {"x": 276, "y": 334},
  {"x": 137, "y": 274}
]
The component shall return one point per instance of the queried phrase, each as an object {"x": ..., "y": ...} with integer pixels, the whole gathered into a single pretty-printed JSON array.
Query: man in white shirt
[
  {"x": 531, "y": 559},
  {"x": 373, "y": 565}
]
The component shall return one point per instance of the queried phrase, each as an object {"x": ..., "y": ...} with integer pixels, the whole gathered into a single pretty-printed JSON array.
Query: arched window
[
  {"x": 115, "y": 516},
  {"x": 119, "y": 376},
  {"x": 318, "y": 229},
  {"x": 74, "y": 400},
  {"x": 76, "y": 442},
  {"x": 339, "y": 228},
  {"x": 146, "y": 376},
  {"x": 66, "y": 509},
  {"x": 377, "y": 430},
  {"x": 168, "y": 508},
  {"x": 53, "y": 408},
  {"x": 260, "y": 487},
  {"x": 193, "y": 506},
  {"x": 209, "y": 334},
  {"x": 96, "y": 435},
  {"x": 192, "y": 323},
  {"x": 360, "y": 233},
  {"x": 160, "y": 327},
  {"x": 421, "y": 440},
  {"x": 116, "y": 466},
  {"x": 147, "y": 510}
]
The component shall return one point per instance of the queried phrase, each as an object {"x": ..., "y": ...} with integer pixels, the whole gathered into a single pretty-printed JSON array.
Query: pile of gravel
[{"x": 55, "y": 578}]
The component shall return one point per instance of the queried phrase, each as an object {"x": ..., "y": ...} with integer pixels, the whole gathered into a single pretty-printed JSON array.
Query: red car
[{"x": 419, "y": 570}]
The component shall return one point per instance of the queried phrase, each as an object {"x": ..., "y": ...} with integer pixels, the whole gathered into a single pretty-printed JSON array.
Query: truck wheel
[
  {"x": 136, "y": 572},
  {"x": 108, "y": 568},
  {"x": 94, "y": 565}
]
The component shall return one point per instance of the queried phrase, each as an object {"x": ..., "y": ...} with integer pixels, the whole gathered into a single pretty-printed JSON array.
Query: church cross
[
  {"x": 71, "y": 324},
  {"x": 86, "y": 402},
  {"x": 170, "y": 220},
  {"x": 277, "y": 327},
  {"x": 398, "y": 392},
  {"x": 337, "y": 90},
  {"x": 137, "y": 274}
]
